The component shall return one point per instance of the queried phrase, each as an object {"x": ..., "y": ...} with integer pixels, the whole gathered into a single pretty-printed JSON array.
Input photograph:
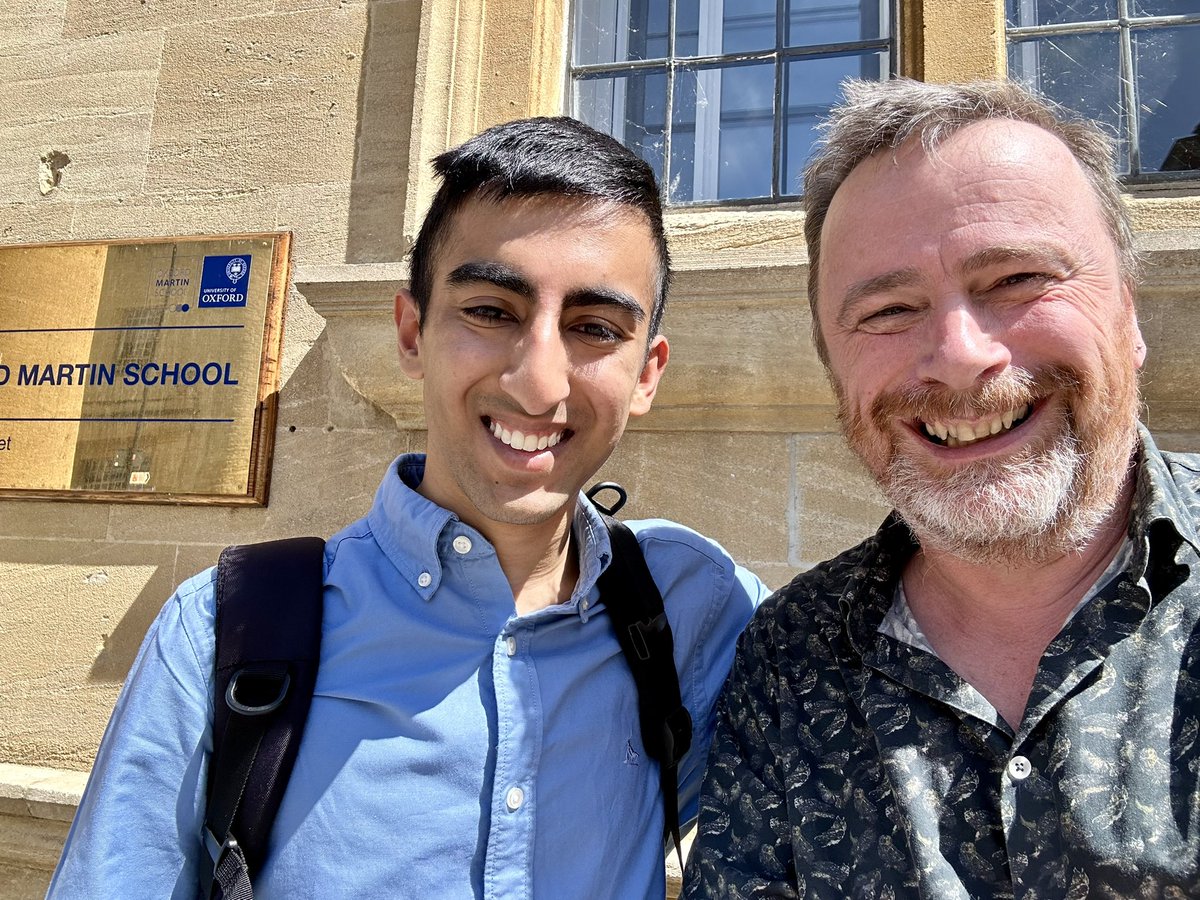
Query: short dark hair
[{"x": 552, "y": 156}]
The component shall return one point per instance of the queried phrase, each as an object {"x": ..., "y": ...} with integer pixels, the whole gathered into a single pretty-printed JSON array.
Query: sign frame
[{"x": 258, "y": 461}]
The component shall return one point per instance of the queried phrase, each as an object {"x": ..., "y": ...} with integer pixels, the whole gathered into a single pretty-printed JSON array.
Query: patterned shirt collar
[{"x": 1160, "y": 509}]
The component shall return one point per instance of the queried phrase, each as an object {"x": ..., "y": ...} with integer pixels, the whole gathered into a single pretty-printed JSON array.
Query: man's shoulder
[
  {"x": 662, "y": 538},
  {"x": 1184, "y": 469},
  {"x": 813, "y": 599}
]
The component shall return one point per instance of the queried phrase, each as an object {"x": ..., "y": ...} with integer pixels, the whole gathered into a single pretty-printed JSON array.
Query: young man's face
[
  {"x": 533, "y": 351},
  {"x": 982, "y": 341}
]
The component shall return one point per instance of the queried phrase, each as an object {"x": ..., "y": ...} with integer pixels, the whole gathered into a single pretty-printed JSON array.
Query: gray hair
[{"x": 877, "y": 116}]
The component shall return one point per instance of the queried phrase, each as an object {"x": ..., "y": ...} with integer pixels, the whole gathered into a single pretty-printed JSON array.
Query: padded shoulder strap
[
  {"x": 635, "y": 606},
  {"x": 269, "y": 607}
]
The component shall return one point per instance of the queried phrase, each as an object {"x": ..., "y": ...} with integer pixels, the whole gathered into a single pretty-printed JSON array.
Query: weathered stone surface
[
  {"x": 28, "y": 223},
  {"x": 112, "y": 591},
  {"x": 31, "y": 519},
  {"x": 270, "y": 105},
  {"x": 171, "y": 214},
  {"x": 93, "y": 17},
  {"x": 108, "y": 156},
  {"x": 737, "y": 490},
  {"x": 318, "y": 215},
  {"x": 25, "y": 25},
  {"x": 837, "y": 501},
  {"x": 704, "y": 240}
]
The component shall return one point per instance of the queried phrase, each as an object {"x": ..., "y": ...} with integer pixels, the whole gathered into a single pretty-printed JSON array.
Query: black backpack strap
[
  {"x": 635, "y": 606},
  {"x": 269, "y": 605}
]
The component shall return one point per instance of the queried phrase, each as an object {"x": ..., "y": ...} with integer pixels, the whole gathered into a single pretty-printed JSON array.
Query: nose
[
  {"x": 961, "y": 349},
  {"x": 537, "y": 376}
]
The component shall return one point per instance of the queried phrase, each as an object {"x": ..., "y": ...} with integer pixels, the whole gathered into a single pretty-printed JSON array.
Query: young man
[
  {"x": 474, "y": 729},
  {"x": 996, "y": 695}
]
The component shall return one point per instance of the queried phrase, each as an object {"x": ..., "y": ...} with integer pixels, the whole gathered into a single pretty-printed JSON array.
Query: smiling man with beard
[{"x": 997, "y": 694}]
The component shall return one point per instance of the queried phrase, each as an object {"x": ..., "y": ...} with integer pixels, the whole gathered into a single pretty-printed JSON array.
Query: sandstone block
[{"x": 274, "y": 104}]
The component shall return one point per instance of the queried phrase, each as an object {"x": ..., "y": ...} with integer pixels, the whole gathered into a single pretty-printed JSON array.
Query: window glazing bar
[
  {"x": 669, "y": 103},
  {"x": 1141, "y": 22},
  {"x": 1129, "y": 92},
  {"x": 779, "y": 101}
]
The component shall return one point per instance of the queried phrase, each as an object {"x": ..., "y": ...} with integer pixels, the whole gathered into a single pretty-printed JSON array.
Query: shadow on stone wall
[{"x": 378, "y": 189}]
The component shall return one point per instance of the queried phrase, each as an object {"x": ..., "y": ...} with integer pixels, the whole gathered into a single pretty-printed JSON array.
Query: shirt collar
[
  {"x": 1160, "y": 498},
  {"x": 1160, "y": 503},
  {"x": 408, "y": 527}
]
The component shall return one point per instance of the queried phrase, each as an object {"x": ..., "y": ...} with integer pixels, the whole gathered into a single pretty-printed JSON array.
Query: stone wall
[{"x": 306, "y": 115}]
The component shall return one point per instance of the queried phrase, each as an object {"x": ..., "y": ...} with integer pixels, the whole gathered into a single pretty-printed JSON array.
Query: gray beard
[{"x": 1021, "y": 511}]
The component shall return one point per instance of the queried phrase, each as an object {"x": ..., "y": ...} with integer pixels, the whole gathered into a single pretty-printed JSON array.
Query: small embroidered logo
[{"x": 631, "y": 755}]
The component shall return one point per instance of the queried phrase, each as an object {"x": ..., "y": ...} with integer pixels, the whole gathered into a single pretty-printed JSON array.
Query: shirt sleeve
[
  {"x": 743, "y": 840},
  {"x": 137, "y": 830},
  {"x": 740, "y": 593}
]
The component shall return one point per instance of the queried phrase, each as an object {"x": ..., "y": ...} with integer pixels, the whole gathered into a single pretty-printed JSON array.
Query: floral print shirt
[{"x": 850, "y": 764}]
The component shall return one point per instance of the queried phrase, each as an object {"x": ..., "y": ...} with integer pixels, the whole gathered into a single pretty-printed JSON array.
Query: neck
[
  {"x": 991, "y": 623},
  {"x": 539, "y": 560}
]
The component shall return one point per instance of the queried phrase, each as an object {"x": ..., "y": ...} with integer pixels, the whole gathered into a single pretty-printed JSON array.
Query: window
[
  {"x": 1132, "y": 65},
  {"x": 722, "y": 98}
]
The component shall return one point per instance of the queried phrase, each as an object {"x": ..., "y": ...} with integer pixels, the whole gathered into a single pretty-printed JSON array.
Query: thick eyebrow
[
  {"x": 602, "y": 296},
  {"x": 509, "y": 279},
  {"x": 493, "y": 273}
]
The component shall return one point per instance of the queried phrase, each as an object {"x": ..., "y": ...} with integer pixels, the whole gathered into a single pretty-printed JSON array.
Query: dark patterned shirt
[{"x": 850, "y": 764}]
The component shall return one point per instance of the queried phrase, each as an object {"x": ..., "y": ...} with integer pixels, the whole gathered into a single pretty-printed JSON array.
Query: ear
[
  {"x": 408, "y": 335},
  {"x": 647, "y": 385}
]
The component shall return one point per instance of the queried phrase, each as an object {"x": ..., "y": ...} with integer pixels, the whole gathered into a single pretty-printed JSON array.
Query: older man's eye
[{"x": 1021, "y": 278}]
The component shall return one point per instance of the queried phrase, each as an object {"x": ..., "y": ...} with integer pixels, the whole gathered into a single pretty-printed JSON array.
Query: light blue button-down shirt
[{"x": 453, "y": 749}]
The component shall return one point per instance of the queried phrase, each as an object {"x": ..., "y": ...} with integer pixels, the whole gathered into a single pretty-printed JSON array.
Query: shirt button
[
  {"x": 511, "y": 643},
  {"x": 424, "y": 579},
  {"x": 583, "y": 605},
  {"x": 514, "y": 799},
  {"x": 1019, "y": 768},
  {"x": 462, "y": 544}
]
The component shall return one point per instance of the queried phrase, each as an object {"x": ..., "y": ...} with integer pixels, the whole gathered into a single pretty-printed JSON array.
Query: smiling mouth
[
  {"x": 527, "y": 441},
  {"x": 960, "y": 434}
]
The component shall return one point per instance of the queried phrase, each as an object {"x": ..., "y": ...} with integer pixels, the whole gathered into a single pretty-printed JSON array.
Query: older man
[{"x": 998, "y": 694}]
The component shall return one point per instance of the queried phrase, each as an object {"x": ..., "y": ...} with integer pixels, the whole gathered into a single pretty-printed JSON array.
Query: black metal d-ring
[{"x": 607, "y": 486}]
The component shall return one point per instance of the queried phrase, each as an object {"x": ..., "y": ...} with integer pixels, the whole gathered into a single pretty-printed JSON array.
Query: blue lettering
[
  {"x": 104, "y": 373},
  {"x": 27, "y": 375},
  {"x": 5, "y": 374},
  {"x": 131, "y": 374},
  {"x": 190, "y": 373}
]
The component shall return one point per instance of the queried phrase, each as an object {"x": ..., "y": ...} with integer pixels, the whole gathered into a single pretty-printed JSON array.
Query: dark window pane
[
  {"x": 1079, "y": 71},
  {"x": 1165, "y": 7},
  {"x": 1058, "y": 12},
  {"x": 812, "y": 22},
  {"x": 813, "y": 86},
  {"x": 722, "y": 130},
  {"x": 609, "y": 31},
  {"x": 709, "y": 27},
  {"x": 1167, "y": 67},
  {"x": 631, "y": 108}
]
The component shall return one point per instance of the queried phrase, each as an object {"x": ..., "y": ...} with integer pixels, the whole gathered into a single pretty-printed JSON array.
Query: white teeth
[
  {"x": 518, "y": 440},
  {"x": 960, "y": 435}
]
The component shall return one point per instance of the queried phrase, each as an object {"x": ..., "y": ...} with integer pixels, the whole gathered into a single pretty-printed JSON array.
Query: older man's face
[{"x": 982, "y": 343}]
